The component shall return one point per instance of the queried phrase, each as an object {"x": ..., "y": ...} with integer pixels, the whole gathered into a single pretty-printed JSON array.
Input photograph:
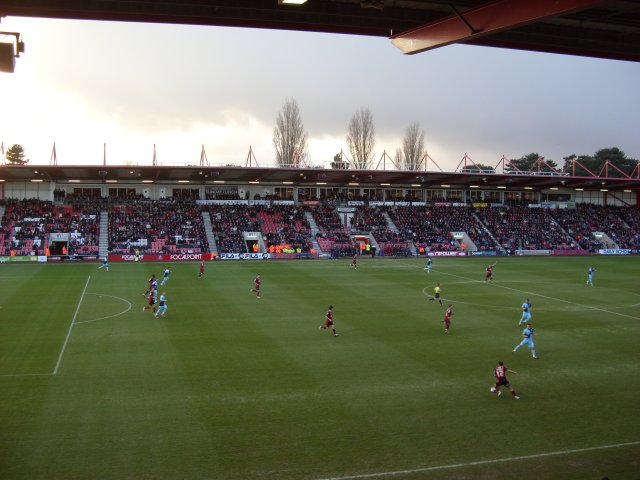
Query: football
[{"x": 493, "y": 389}]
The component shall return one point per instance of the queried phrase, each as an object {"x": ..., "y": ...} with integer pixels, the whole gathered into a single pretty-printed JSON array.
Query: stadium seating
[
  {"x": 27, "y": 225},
  {"x": 517, "y": 227},
  {"x": 157, "y": 226},
  {"x": 430, "y": 227},
  {"x": 373, "y": 221},
  {"x": 332, "y": 235},
  {"x": 228, "y": 223},
  {"x": 284, "y": 226},
  {"x": 176, "y": 226}
]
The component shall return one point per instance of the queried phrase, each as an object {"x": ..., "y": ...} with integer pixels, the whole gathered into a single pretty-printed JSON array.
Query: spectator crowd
[{"x": 178, "y": 225}]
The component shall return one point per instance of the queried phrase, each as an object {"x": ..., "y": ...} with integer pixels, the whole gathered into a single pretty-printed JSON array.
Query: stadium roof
[
  {"x": 301, "y": 177},
  {"x": 606, "y": 29}
]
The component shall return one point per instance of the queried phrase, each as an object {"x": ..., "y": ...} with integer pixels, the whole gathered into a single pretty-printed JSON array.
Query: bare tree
[
  {"x": 361, "y": 138},
  {"x": 399, "y": 158},
  {"x": 413, "y": 147},
  {"x": 289, "y": 137}
]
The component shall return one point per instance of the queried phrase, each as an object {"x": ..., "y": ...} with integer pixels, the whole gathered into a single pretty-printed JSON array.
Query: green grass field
[{"x": 231, "y": 387}]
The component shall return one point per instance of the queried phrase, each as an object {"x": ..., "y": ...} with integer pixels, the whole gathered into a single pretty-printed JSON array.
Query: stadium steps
[
  {"x": 567, "y": 234},
  {"x": 313, "y": 226},
  {"x": 498, "y": 246},
  {"x": 2, "y": 235},
  {"x": 390, "y": 224},
  {"x": 471, "y": 246},
  {"x": 604, "y": 238},
  {"x": 211, "y": 238},
  {"x": 103, "y": 242}
]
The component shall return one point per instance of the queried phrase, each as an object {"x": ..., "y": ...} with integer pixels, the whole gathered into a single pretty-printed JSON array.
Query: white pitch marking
[
  {"x": 480, "y": 462},
  {"x": 109, "y": 316},
  {"x": 463, "y": 283},
  {"x": 576, "y": 307},
  {"x": 426, "y": 294},
  {"x": 73, "y": 320},
  {"x": 26, "y": 374},
  {"x": 589, "y": 307}
]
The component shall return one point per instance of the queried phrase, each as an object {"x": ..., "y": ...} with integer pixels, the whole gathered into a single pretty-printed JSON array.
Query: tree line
[
  {"x": 618, "y": 165},
  {"x": 291, "y": 149},
  {"x": 289, "y": 139}
]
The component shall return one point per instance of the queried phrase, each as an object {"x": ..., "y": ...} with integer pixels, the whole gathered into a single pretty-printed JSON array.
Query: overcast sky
[{"x": 83, "y": 84}]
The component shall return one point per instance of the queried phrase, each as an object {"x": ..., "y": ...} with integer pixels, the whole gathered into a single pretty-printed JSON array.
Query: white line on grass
[
  {"x": 73, "y": 320},
  {"x": 480, "y": 462},
  {"x": 425, "y": 292},
  {"x": 578, "y": 307},
  {"x": 108, "y": 316},
  {"x": 549, "y": 298}
]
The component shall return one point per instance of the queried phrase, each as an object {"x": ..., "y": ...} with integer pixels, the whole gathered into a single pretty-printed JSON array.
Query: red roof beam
[
  {"x": 573, "y": 164},
  {"x": 484, "y": 20},
  {"x": 425, "y": 160},
  {"x": 542, "y": 162},
  {"x": 605, "y": 168},
  {"x": 464, "y": 160}
]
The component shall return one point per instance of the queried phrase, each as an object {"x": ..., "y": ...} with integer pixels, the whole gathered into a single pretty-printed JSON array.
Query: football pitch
[{"x": 232, "y": 387}]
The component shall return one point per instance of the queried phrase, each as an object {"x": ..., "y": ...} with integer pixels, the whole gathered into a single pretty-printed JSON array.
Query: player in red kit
[
  {"x": 201, "y": 273},
  {"x": 488, "y": 275},
  {"x": 152, "y": 279},
  {"x": 328, "y": 322},
  {"x": 447, "y": 318},
  {"x": 256, "y": 289},
  {"x": 500, "y": 372},
  {"x": 151, "y": 302},
  {"x": 354, "y": 262}
]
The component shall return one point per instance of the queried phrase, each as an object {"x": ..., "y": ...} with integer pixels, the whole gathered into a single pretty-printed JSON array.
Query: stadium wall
[{"x": 24, "y": 190}]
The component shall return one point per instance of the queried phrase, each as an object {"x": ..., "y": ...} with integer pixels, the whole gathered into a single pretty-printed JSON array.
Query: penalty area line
[
  {"x": 480, "y": 462},
  {"x": 73, "y": 321}
]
